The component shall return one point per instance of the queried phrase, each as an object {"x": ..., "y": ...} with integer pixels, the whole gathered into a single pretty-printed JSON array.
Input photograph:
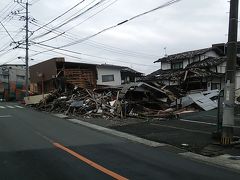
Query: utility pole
[
  {"x": 27, "y": 48},
  {"x": 229, "y": 90},
  {"x": 26, "y": 58}
]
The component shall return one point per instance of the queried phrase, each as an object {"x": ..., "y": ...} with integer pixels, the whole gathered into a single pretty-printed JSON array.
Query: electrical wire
[
  {"x": 7, "y": 31},
  {"x": 60, "y": 16},
  {"x": 53, "y": 30},
  {"x": 102, "y": 46},
  {"x": 114, "y": 26},
  {"x": 6, "y": 7},
  {"x": 79, "y": 53},
  {"x": 121, "y": 23},
  {"x": 69, "y": 20}
]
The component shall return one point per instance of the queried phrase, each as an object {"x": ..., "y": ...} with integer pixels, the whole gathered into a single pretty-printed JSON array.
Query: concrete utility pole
[
  {"x": 27, "y": 48},
  {"x": 229, "y": 90},
  {"x": 26, "y": 58}
]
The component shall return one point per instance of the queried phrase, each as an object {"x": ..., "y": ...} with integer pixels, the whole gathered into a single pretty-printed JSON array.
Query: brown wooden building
[{"x": 56, "y": 73}]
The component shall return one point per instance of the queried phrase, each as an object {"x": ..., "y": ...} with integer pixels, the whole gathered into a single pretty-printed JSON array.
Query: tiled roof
[
  {"x": 184, "y": 55},
  {"x": 179, "y": 74},
  {"x": 207, "y": 63}
]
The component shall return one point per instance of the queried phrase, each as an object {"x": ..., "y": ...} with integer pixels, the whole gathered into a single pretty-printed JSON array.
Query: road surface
[{"x": 36, "y": 145}]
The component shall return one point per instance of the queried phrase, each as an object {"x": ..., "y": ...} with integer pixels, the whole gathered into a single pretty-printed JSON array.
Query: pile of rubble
[
  {"x": 139, "y": 100},
  {"x": 132, "y": 100}
]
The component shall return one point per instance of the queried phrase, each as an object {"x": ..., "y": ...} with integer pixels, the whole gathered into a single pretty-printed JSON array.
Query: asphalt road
[{"x": 36, "y": 145}]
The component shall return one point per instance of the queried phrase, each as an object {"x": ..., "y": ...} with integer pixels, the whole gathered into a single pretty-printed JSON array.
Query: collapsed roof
[{"x": 187, "y": 55}]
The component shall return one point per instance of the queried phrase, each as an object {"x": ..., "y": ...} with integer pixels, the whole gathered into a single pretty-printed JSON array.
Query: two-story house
[{"x": 202, "y": 69}]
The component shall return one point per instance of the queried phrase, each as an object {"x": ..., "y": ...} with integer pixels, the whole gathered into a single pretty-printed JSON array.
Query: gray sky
[{"x": 186, "y": 25}]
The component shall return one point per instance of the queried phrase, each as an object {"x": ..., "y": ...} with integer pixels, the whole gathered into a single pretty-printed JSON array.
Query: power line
[
  {"x": 7, "y": 51},
  {"x": 102, "y": 46},
  {"x": 79, "y": 53},
  {"x": 119, "y": 24},
  {"x": 123, "y": 22},
  {"x": 12, "y": 59},
  {"x": 59, "y": 16},
  {"x": 92, "y": 15},
  {"x": 7, "y": 31},
  {"x": 6, "y": 7},
  {"x": 70, "y": 20},
  {"x": 98, "y": 62},
  {"x": 43, "y": 26},
  {"x": 52, "y": 30}
]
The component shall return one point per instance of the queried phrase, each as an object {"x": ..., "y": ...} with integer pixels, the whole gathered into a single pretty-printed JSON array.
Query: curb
[
  {"x": 118, "y": 133},
  {"x": 220, "y": 161}
]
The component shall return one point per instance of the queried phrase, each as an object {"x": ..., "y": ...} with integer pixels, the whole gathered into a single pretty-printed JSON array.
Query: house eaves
[
  {"x": 207, "y": 63},
  {"x": 184, "y": 55}
]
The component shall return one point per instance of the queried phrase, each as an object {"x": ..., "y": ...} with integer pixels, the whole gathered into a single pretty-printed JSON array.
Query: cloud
[{"x": 183, "y": 26}]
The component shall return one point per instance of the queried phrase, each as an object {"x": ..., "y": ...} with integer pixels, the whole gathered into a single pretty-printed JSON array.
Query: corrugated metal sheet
[{"x": 203, "y": 101}]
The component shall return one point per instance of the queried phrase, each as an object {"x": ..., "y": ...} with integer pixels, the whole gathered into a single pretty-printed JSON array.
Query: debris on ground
[
  {"x": 205, "y": 100},
  {"x": 135, "y": 100},
  {"x": 131, "y": 100}
]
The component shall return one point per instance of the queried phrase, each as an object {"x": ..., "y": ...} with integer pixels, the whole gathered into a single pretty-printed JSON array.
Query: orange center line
[{"x": 91, "y": 163}]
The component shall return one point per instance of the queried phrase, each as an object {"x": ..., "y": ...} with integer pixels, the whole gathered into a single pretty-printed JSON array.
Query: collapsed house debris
[
  {"x": 139, "y": 100},
  {"x": 204, "y": 100},
  {"x": 130, "y": 100}
]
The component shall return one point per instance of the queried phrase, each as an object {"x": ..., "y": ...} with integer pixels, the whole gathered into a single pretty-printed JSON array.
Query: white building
[
  {"x": 111, "y": 75},
  {"x": 202, "y": 69}
]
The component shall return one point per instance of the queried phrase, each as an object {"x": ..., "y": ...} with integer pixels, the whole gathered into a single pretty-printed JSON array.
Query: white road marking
[
  {"x": 5, "y": 116},
  {"x": 202, "y": 122},
  {"x": 179, "y": 128},
  {"x": 210, "y": 116},
  {"x": 19, "y": 106},
  {"x": 2, "y": 107},
  {"x": 199, "y": 122},
  {"x": 12, "y": 107}
]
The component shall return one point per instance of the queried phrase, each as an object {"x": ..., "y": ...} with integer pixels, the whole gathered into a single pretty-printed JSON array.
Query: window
[
  {"x": 215, "y": 86},
  {"x": 178, "y": 65},
  {"x": 3, "y": 76},
  {"x": 19, "y": 77},
  {"x": 107, "y": 78}
]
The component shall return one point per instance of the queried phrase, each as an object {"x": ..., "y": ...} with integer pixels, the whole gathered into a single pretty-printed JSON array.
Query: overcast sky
[{"x": 186, "y": 25}]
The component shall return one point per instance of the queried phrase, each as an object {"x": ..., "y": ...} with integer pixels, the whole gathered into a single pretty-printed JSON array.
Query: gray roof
[
  {"x": 207, "y": 63},
  {"x": 180, "y": 73},
  {"x": 122, "y": 68},
  {"x": 184, "y": 55}
]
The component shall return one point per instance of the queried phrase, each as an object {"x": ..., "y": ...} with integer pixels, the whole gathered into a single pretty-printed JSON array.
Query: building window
[
  {"x": 19, "y": 77},
  {"x": 178, "y": 65},
  {"x": 215, "y": 86},
  {"x": 3, "y": 76},
  {"x": 107, "y": 78}
]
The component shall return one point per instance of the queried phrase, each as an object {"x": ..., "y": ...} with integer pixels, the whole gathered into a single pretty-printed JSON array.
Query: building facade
[
  {"x": 112, "y": 75},
  {"x": 202, "y": 69},
  {"x": 12, "y": 81},
  {"x": 57, "y": 74}
]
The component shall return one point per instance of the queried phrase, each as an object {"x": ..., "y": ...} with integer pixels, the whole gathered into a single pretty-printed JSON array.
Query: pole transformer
[{"x": 229, "y": 89}]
